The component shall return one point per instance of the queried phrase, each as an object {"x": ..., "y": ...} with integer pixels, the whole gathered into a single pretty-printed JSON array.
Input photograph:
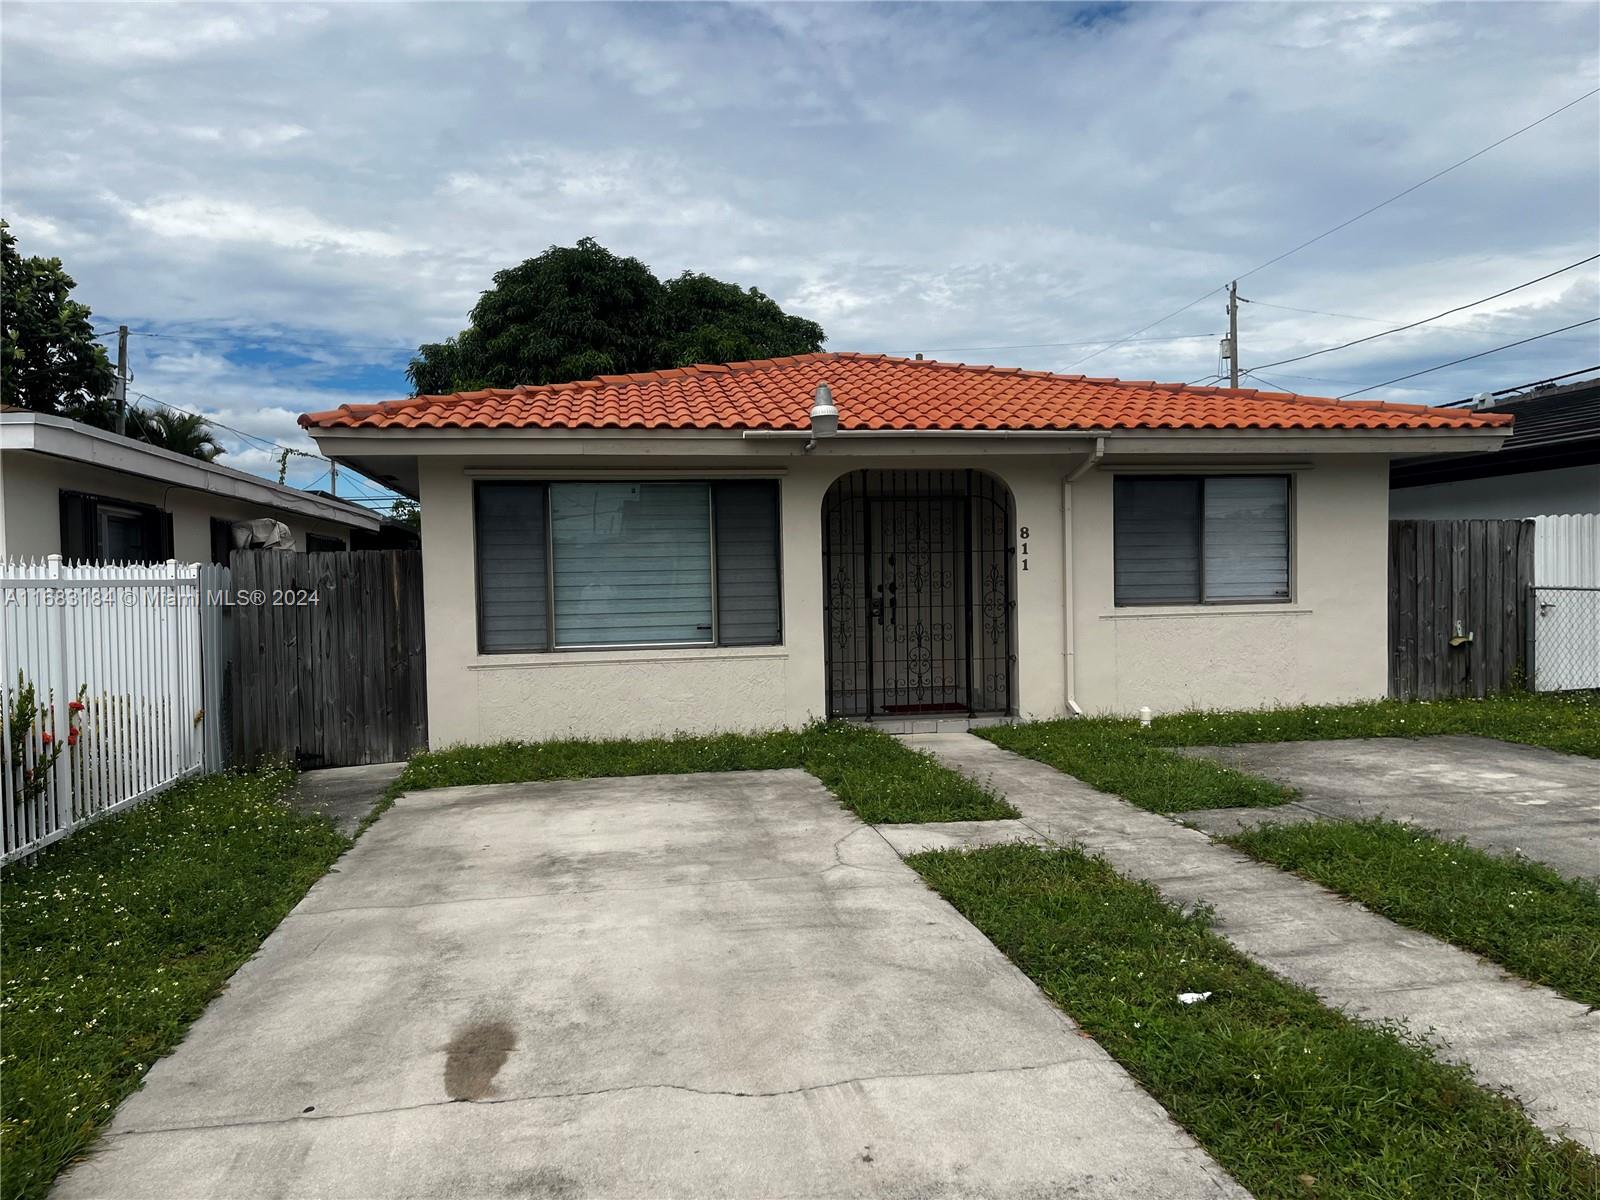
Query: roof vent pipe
[{"x": 824, "y": 416}]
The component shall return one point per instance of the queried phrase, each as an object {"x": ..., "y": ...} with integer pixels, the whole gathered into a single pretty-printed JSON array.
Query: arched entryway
[{"x": 919, "y": 573}]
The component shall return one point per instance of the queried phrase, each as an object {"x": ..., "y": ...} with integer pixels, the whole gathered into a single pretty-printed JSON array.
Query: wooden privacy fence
[
  {"x": 328, "y": 663},
  {"x": 102, "y": 672},
  {"x": 1458, "y": 607}
]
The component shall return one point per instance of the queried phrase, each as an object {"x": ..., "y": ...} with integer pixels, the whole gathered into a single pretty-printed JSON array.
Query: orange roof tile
[{"x": 874, "y": 391}]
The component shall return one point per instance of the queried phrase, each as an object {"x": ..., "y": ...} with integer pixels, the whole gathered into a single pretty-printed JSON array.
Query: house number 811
[{"x": 1022, "y": 536}]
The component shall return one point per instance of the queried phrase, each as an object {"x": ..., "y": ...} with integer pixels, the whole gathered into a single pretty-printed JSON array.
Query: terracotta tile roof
[{"x": 874, "y": 391}]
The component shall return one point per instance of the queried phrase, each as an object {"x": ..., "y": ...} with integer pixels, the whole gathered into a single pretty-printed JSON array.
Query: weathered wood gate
[
  {"x": 1458, "y": 607},
  {"x": 329, "y": 667}
]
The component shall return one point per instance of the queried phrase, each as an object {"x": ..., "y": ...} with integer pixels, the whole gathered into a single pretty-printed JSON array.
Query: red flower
[
  {"x": 47, "y": 737},
  {"x": 76, "y": 706},
  {"x": 72, "y": 737}
]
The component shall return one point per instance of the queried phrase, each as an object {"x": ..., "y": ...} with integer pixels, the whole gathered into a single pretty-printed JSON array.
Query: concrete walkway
[
  {"x": 1513, "y": 1035},
  {"x": 1499, "y": 796},
  {"x": 345, "y": 795},
  {"x": 696, "y": 985}
]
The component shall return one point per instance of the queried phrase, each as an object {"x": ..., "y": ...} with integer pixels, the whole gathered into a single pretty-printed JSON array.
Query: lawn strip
[
  {"x": 115, "y": 939},
  {"x": 1520, "y": 914},
  {"x": 1294, "y": 1099},
  {"x": 871, "y": 773},
  {"x": 1118, "y": 755}
]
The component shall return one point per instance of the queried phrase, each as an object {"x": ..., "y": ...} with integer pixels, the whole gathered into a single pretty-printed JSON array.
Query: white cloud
[{"x": 328, "y": 179}]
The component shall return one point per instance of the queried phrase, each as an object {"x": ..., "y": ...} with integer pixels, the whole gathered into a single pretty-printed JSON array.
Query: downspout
[{"x": 1067, "y": 611}]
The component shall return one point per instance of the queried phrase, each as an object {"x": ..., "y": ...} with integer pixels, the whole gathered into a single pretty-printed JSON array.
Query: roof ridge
[{"x": 707, "y": 403}]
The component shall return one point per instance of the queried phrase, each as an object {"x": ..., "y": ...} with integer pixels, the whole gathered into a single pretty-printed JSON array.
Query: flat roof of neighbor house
[
  {"x": 877, "y": 392},
  {"x": 77, "y": 442}
]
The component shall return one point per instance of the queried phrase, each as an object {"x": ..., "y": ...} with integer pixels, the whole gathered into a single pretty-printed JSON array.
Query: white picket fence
[
  {"x": 1566, "y": 602},
  {"x": 124, "y": 641}
]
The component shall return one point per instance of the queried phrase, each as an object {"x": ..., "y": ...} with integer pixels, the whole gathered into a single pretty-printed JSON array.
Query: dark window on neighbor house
[
  {"x": 584, "y": 565},
  {"x": 102, "y": 529},
  {"x": 321, "y": 543},
  {"x": 1191, "y": 539},
  {"x": 221, "y": 541}
]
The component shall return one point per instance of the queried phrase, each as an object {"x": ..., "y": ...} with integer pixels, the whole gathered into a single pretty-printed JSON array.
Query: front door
[{"x": 917, "y": 582}]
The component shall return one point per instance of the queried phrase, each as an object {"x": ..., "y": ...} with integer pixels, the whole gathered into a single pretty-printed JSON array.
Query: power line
[
  {"x": 209, "y": 420},
  {"x": 1343, "y": 224},
  {"x": 1318, "y": 312},
  {"x": 1174, "y": 337},
  {"x": 1522, "y": 387},
  {"x": 1482, "y": 353},
  {"x": 1371, "y": 337}
]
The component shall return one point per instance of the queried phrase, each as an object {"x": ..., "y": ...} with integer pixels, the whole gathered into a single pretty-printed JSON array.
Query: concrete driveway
[
  {"x": 716, "y": 985},
  {"x": 1499, "y": 796}
]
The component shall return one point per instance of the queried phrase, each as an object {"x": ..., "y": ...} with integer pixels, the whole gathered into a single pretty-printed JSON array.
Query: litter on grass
[{"x": 1193, "y": 997}]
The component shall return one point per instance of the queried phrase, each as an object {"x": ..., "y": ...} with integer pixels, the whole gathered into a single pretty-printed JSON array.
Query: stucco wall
[
  {"x": 1329, "y": 643},
  {"x": 30, "y": 493},
  {"x": 1567, "y": 490}
]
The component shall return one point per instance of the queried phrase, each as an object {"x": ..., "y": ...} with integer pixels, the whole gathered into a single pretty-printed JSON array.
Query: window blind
[
  {"x": 1247, "y": 538},
  {"x": 511, "y": 567},
  {"x": 748, "y": 605},
  {"x": 1214, "y": 539},
  {"x": 1156, "y": 530},
  {"x": 632, "y": 563}
]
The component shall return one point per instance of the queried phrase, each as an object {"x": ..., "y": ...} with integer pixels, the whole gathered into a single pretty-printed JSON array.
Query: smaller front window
[{"x": 1219, "y": 539}]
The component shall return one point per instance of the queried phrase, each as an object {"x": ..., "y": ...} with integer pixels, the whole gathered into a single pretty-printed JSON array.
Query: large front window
[
  {"x": 1220, "y": 539},
  {"x": 580, "y": 565}
]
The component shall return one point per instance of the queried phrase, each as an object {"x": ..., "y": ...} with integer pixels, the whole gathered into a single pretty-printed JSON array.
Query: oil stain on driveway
[{"x": 699, "y": 985}]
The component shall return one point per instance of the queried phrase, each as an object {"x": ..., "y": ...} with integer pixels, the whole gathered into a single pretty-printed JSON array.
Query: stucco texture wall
[
  {"x": 30, "y": 493},
  {"x": 1327, "y": 644}
]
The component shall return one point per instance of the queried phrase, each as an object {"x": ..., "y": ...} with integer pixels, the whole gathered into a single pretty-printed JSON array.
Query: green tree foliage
[
  {"x": 579, "y": 311},
  {"x": 49, "y": 359},
  {"x": 50, "y": 362},
  {"x": 182, "y": 433}
]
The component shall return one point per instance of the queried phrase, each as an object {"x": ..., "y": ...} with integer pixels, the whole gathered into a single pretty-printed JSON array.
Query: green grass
[
  {"x": 112, "y": 942},
  {"x": 872, "y": 774},
  {"x": 1116, "y": 755},
  {"x": 1295, "y": 1099},
  {"x": 1518, "y": 913}
]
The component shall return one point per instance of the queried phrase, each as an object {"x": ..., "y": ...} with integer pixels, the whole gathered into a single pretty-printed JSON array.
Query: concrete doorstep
[{"x": 1514, "y": 1036}]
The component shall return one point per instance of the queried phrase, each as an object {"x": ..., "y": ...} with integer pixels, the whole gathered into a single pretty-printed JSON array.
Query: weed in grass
[
  {"x": 1278, "y": 1088},
  {"x": 115, "y": 939},
  {"x": 1520, "y": 914},
  {"x": 873, "y": 774}
]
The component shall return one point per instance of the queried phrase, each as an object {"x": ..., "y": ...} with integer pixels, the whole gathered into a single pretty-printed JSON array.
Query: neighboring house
[
  {"x": 1549, "y": 466},
  {"x": 691, "y": 550},
  {"x": 90, "y": 495}
]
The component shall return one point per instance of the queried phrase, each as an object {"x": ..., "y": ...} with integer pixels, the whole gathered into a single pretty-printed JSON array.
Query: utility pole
[
  {"x": 333, "y": 478},
  {"x": 1233, "y": 334},
  {"x": 122, "y": 379}
]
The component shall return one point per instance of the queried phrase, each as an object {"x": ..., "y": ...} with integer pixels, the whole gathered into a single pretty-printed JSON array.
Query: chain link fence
[{"x": 1565, "y": 632}]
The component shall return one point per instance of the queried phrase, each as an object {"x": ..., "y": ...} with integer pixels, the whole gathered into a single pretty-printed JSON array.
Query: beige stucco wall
[
  {"x": 1327, "y": 644},
  {"x": 30, "y": 494}
]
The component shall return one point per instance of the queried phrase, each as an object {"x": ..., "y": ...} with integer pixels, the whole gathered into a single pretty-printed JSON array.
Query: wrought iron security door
[
  {"x": 916, "y": 599},
  {"x": 919, "y": 598}
]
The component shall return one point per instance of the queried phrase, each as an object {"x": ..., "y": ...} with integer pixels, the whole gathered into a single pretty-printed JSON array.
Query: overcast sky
[{"x": 296, "y": 196}]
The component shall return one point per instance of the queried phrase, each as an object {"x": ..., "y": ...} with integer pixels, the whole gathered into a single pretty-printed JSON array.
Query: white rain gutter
[{"x": 1067, "y": 609}]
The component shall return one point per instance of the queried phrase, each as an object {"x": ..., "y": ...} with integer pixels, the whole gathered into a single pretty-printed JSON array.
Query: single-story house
[
  {"x": 1549, "y": 467},
  {"x": 93, "y": 496},
  {"x": 758, "y": 544}
]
